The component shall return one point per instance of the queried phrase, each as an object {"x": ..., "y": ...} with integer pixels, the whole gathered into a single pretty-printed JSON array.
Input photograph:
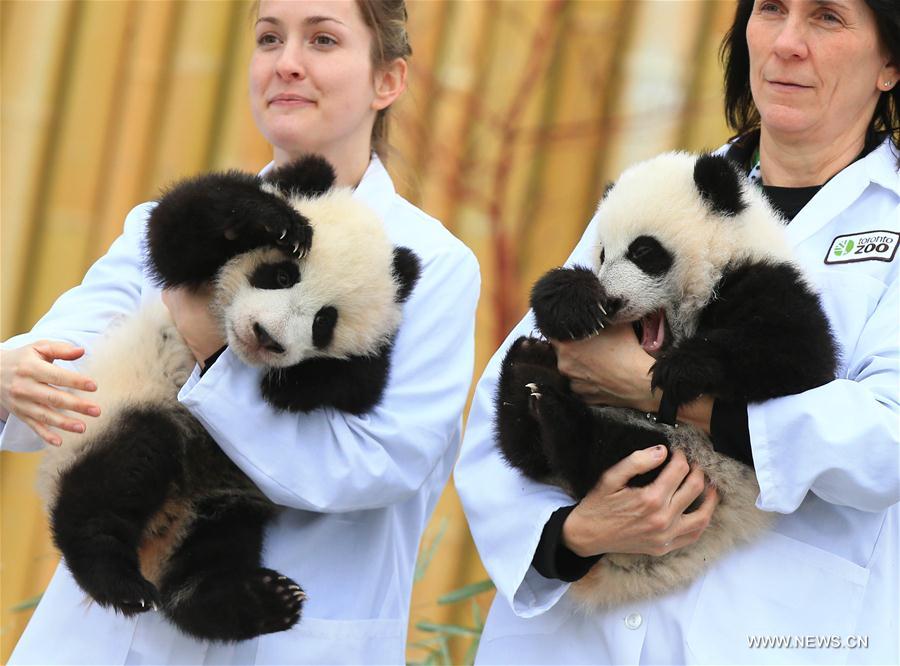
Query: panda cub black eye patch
[
  {"x": 281, "y": 275},
  {"x": 323, "y": 326},
  {"x": 649, "y": 255}
]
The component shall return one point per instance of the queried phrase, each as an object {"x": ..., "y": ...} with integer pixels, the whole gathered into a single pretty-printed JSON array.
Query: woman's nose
[
  {"x": 290, "y": 63},
  {"x": 790, "y": 42}
]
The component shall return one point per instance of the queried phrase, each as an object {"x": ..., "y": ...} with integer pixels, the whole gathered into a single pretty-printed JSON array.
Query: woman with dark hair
[
  {"x": 812, "y": 93},
  {"x": 355, "y": 491}
]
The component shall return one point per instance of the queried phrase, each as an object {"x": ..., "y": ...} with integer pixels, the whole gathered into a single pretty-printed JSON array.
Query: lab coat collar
[
  {"x": 376, "y": 189},
  {"x": 839, "y": 193},
  {"x": 879, "y": 167}
]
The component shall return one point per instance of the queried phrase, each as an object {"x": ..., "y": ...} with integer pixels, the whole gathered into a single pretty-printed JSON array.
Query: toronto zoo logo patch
[{"x": 865, "y": 246}]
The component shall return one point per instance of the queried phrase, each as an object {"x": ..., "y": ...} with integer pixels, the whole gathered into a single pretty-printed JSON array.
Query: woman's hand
[
  {"x": 192, "y": 316},
  {"x": 615, "y": 518},
  {"x": 610, "y": 368},
  {"x": 31, "y": 388}
]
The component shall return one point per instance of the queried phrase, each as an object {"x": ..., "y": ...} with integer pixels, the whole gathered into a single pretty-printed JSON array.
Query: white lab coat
[
  {"x": 358, "y": 490},
  {"x": 827, "y": 459}
]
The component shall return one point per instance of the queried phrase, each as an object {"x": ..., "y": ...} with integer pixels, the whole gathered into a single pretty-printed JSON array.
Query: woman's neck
[
  {"x": 349, "y": 165},
  {"x": 787, "y": 162}
]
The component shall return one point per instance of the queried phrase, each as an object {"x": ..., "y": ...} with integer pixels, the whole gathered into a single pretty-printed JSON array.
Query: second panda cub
[
  {"x": 692, "y": 255},
  {"x": 146, "y": 509}
]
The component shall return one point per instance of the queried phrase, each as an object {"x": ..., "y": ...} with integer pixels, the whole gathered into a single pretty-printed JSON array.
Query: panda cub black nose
[{"x": 266, "y": 340}]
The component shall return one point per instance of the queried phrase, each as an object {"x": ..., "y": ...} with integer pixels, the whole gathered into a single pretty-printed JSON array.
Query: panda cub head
[
  {"x": 667, "y": 231},
  {"x": 343, "y": 299}
]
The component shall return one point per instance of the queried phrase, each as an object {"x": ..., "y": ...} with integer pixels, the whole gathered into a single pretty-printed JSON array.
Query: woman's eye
[
  {"x": 768, "y": 7},
  {"x": 266, "y": 39},
  {"x": 828, "y": 17},
  {"x": 324, "y": 40}
]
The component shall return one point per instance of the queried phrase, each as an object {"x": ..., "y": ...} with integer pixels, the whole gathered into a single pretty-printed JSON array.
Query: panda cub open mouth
[{"x": 653, "y": 332}]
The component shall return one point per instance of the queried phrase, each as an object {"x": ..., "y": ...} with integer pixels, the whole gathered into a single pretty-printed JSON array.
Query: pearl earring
[{"x": 888, "y": 84}]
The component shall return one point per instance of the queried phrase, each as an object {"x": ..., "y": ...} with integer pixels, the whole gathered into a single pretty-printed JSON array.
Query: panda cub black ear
[
  {"x": 719, "y": 185},
  {"x": 607, "y": 189},
  {"x": 407, "y": 269},
  {"x": 310, "y": 176}
]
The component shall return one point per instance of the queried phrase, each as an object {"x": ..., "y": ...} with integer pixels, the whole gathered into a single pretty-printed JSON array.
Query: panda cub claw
[
  {"x": 295, "y": 240},
  {"x": 132, "y": 597},
  {"x": 569, "y": 304},
  {"x": 275, "y": 600}
]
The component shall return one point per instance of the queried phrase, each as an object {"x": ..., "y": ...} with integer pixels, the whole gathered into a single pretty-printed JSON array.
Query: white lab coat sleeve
[
  {"x": 110, "y": 289},
  {"x": 329, "y": 461},
  {"x": 506, "y": 510},
  {"x": 841, "y": 440}
]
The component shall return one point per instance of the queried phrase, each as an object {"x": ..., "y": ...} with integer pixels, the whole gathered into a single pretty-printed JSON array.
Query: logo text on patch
[{"x": 865, "y": 246}]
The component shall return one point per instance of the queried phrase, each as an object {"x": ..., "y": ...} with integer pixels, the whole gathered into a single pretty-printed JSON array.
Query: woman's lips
[
  {"x": 290, "y": 101},
  {"x": 787, "y": 86}
]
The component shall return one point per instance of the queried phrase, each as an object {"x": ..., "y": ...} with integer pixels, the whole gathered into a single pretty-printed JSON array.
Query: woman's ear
[
  {"x": 888, "y": 78},
  {"x": 390, "y": 81}
]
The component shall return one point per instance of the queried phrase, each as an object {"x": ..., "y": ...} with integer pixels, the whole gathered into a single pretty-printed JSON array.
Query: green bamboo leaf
[
  {"x": 445, "y": 651},
  {"x": 429, "y": 551},
  {"x": 477, "y": 618},
  {"x": 28, "y": 604},
  {"x": 455, "y": 629},
  {"x": 466, "y": 592},
  {"x": 469, "y": 659}
]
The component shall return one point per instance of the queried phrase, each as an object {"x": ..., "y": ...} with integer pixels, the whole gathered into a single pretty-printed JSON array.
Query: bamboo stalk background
[{"x": 517, "y": 114}]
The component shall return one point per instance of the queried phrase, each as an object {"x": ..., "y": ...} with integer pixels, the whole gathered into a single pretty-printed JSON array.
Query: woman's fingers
[
  {"x": 689, "y": 490},
  {"x": 670, "y": 478},
  {"x": 33, "y": 388},
  {"x": 48, "y": 373},
  {"x": 63, "y": 351},
  {"x": 637, "y": 463},
  {"x": 43, "y": 432},
  {"x": 53, "y": 418},
  {"x": 691, "y": 525},
  {"x": 62, "y": 400}
]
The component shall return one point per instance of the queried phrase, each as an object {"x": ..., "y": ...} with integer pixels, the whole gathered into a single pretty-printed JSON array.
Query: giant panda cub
[
  {"x": 146, "y": 509},
  {"x": 693, "y": 255}
]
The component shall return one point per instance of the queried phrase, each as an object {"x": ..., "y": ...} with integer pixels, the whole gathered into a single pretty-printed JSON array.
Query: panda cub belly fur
[
  {"x": 692, "y": 255},
  {"x": 146, "y": 509}
]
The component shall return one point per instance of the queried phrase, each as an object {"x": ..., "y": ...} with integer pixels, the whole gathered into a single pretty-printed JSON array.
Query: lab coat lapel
[
  {"x": 376, "y": 189},
  {"x": 841, "y": 191}
]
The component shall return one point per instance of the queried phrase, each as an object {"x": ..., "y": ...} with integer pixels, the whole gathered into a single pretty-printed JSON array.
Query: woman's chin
[{"x": 786, "y": 120}]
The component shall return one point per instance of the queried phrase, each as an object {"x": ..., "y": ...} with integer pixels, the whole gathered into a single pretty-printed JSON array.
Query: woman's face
[
  {"x": 816, "y": 66},
  {"x": 312, "y": 87}
]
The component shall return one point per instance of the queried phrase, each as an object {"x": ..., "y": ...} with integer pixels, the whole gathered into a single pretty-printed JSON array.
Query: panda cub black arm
[
  {"x": 354, "y": 385},
  {"x": 764, "y": 336},
  {"x": 568, "y": 303},
  {"x": 201, "y": 223}
]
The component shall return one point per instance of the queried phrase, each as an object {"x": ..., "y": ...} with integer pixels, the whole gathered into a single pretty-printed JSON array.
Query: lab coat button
[{"x": 633, "y": 620}]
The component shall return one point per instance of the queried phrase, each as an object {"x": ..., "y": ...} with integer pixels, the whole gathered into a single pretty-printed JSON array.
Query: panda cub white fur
[
  {"x": 691, "y": 254},
  {"x": 146, "y": 509}
]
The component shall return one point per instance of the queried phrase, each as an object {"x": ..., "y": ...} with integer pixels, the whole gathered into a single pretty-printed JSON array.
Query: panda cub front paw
[
  {"x": 294, "y": 237},
  {"x": 569, "y": 304},
  {"x": 289, "y": 232}
]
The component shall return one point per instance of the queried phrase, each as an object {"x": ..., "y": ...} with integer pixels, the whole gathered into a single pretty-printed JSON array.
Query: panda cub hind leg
[
  {"x": 528, "y": 361},
  {"x": 214, "y": 587},
  {"x": 106, "y": 500}
]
